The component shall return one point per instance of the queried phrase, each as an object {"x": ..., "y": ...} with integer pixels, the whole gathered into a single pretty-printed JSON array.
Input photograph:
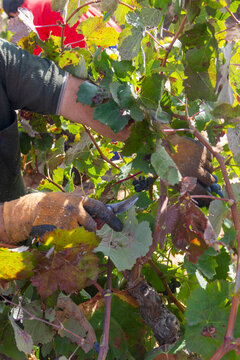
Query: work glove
[
  {"x": 193, "y": 160},
  {"x": 40, "y": 212}
]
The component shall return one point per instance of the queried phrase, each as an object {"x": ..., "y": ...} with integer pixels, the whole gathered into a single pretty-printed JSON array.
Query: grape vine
[{"x": 171, "y": 70}]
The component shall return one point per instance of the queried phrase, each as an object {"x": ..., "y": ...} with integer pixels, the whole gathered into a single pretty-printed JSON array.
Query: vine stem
[
  {"x": 80, "y": 7},
  {"x": 127, "y": 178},
  {"x": 127, "y": 5},
  {"x": 33, "y": 317},
  {"x": 154, "y": 39},
  {"x": 47, "y": 177},
  {"x": 173, "y": 40},
  {"x": 162, "y": 206},
  {"x": 98, "y": 148},
  {"x": 212, "y": 198},
  {"x": 107, "y": 313},
  {"x": 229, "y": 337},
  {"x": 232, "y": 15},
  {"x": 170, "y": 294}
]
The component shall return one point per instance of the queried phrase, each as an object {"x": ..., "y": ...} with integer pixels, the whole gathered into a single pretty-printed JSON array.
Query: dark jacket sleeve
[{"x": 31, "y": 83}]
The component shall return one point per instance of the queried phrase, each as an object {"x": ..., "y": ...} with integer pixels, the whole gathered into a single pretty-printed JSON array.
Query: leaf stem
[
  {"x": 232, "y": 15},
  {"x": 173, "y": 40},
  {"x": 98, "y": 148},
  {"x": 127, "y": 5},
  {"x": 33, "y": 317},
  {"x": 107, "y": 314},
  {"x": 127, "y": 178},
  {"x": 161, "y": 210},
  {"x": 80, "y": 7},
  {"x": 227, "y": 345},
  {"x": 181, "y": 307}
]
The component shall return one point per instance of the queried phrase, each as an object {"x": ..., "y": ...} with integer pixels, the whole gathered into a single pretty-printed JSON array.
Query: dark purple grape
[{"x": 215, "y": 177}]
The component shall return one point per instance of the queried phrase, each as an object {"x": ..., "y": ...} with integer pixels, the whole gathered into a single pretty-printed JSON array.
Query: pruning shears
[
  {"x": 118, "y": 208},
  {"x": 122, "y": 206}
]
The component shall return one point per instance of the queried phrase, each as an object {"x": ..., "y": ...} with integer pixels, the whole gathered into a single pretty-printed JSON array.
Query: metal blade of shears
[{"x": 122, "y": 206}]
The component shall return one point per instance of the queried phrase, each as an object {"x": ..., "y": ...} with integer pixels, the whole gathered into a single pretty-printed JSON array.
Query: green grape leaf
[
  {"x": 97, "y": 33},
  {"x": 58, "y": 5},
  {"x": 130, "y": 45},
  {"x": 207, "y": 263},
  {"x": 15, "y": 265},
  {"x": 193, "y": 9},
  {"x": 123, "y": 69},
  {"x": 233, "y": 136},
  {"x": 223, "y": 262},
  {"x": 142, "y": 162},
  {"x": 25, "y": 142},
  {"x": 134, "y": 19},
  {"x": 110, "y": 114},
  {"x": 217, "y": 212},
  {"x": 198, "y": 59},
  {"x": 23, "y": 339},
  {"x": 164, "y": 166},
  {"x": 86, "y": 93},
  {"x": 136, "y": 113},
  {"x": 139, "y": 133},
  {"x": 78, "y": 149},
  {"x": 79, "y": 70},
  {"x": 71, "y": 7},
  {"x": 125, "y": 247},
  {"x": 143, "y": 201},
  {"x": 74, "y": 327},
  {"x": 226, "y": 111},
  {"x": 203, "y": 301},
  {"x": 151, "y": 90},
  {"x": 46, "y": 185},
  {"x": 40, "y": 332},
  {"x": 124, "y": 313},
  {"x": 58, "y": 175},
  {"x": 200, "y": 85},
  {"x": 207, "y": 317},
  {"x": 109, "y": 5},
  {"x": 150, "y": 17},
  {"x": 44, "y": 142},
  {"x": 56, "y": 154},
  {"x": 120, "y": 13},
  {"x": 70, "y": 270}
]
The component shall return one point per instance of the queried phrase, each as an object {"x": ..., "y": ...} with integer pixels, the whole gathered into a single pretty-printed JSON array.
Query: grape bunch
[
  {"x": 142, "y": 183},
  {"x": 215, "y": 187},
  {"x": 173, "y": 285}
]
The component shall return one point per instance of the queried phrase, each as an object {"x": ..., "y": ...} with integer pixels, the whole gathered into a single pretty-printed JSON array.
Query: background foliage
[{"x": 174, "y": 63}]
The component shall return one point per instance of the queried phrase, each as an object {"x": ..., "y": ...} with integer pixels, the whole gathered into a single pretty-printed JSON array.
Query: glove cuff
[
  {"x": 19, "y": 215},
  {"x": 3, "y": 234}
]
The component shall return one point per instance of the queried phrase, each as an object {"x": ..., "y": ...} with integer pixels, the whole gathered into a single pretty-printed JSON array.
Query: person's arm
[
  {"x": 77, "y": 112},
  {"x": 38, "y": 84}
]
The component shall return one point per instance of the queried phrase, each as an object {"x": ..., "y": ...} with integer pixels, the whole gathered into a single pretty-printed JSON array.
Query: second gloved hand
[
  {"x": 194, "y": 160},
  {"x": 23, "y": 216}
]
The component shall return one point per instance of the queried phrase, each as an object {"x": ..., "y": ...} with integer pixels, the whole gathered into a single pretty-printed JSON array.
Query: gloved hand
[
  {"x": 194, "y": 160},
  {"x": 48, "y": 211}
]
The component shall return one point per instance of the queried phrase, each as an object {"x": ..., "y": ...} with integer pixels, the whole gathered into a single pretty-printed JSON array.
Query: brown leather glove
[
  {"x": 46, "y": 211},
  {"x": 194, "y": 160}
]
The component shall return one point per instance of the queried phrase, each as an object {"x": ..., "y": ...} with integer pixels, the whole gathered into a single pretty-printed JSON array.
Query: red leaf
[
  {"x": 69, "y": 270},
  {"x": 192, "y": 231}
]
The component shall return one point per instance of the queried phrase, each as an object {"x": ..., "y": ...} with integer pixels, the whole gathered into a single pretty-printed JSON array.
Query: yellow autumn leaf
[
  {"x": 96, "y": 32},
  {"x": 63, "y": 239},
  {"x": 195, "y": 241},
  {"x": 15, "y": 265}
]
